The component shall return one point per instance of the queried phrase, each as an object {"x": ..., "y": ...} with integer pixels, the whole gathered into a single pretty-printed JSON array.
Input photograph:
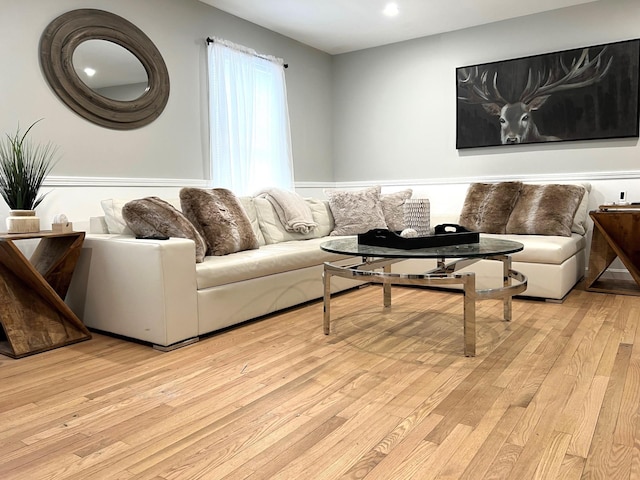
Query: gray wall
[
  {"x": 394, "y": 106},
  {"x": 175, "y": 145}
]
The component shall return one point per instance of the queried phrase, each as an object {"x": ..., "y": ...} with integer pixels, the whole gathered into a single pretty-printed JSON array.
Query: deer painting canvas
[{"x": 582, "y": 94}]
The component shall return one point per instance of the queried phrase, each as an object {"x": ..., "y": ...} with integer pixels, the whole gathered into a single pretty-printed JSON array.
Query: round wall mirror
[
  {"x": 110, "y": 70},
  {"x": 104, "y": 68}
]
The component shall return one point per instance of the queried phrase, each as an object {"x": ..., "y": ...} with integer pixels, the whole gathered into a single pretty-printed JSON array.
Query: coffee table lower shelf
[{"x": 378, "y": 270}]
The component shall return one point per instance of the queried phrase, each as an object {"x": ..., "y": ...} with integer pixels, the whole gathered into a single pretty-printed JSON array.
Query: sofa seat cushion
[
  {"x": 267, "y": 260},
  {"x": 549, "y": 249}
]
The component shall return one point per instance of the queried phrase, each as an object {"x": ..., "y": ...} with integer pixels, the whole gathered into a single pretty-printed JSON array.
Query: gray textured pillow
[
  {"x": 393, "y": 208},
  {"x": 487, "y": 206},
  {"x": 545, "y": 210},
  {"x": 152, "y": 216},
  {"x": 357, "y": 211},
  {"x": 220, "y": 218}
]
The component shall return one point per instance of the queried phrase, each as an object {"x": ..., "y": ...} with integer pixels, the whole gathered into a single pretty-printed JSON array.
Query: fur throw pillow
[
  {"x": 356, "y": 212},
  {"x": 487, "y": 206},
  {"x": 152, "y": 216},
  {"x": 545, "y": 210},
  {"x": 393, "y": 209},
  {"x": 220, "y": 218}
]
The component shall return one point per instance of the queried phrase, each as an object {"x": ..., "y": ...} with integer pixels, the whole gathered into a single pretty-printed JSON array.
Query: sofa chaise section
[{"x": 155, "y": 292}]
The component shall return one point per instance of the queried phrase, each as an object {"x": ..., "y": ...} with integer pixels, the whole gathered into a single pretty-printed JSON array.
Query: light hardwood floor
[{"x": 388, "y": 395}]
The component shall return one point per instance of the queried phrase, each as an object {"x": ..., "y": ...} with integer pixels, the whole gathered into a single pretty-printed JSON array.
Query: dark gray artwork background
[{"x": 606, "y": 109}]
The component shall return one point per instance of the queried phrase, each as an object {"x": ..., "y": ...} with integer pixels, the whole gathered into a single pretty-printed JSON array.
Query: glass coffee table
[{"x": 375, "y": 267}]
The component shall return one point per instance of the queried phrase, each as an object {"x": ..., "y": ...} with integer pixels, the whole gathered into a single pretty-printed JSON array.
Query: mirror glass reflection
[{"x": 110, "y": 70}]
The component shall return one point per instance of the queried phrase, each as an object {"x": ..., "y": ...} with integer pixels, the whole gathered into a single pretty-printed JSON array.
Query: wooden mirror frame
[{"x": 65, "y": 33}]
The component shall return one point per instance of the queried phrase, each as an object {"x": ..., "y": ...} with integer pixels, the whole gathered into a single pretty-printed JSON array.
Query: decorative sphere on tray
[{"x": 409, "y": 233}]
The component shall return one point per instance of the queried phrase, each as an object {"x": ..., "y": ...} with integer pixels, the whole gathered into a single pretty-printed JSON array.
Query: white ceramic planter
[{"x": 23, "y": 221}]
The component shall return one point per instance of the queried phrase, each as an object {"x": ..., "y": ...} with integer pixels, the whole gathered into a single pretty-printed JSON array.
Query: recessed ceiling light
[
  {"x": 89, "y": 71},
  {"x": 391, "y": 10}
]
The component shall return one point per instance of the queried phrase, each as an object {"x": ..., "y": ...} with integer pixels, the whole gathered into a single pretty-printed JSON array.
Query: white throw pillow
[
  {"x": 321, "y": 212},
  {"x": 112, "y": 208}
]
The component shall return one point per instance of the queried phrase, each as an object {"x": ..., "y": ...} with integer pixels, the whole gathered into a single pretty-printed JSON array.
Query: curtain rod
[{"x": 211, "y": 40}]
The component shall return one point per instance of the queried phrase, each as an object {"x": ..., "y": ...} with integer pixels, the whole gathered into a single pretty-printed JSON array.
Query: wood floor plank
[
  {"x": 629, "y": 414},
  {"x": 486, "y": 453},
  {"x": 388, "y": 395},
  {"x": 503, "y": 463},
  {"x": 553, "y": 456},
  {"x": 601, "y": 461},
  {"x": 571, "y": 468}
]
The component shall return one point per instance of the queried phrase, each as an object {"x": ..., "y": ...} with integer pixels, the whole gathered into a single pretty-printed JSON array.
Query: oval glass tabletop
[{"x": 485, "y": 248}]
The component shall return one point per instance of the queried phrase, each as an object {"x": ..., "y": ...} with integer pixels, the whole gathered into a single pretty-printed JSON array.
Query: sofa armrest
[{"x": 143, "y": 289}]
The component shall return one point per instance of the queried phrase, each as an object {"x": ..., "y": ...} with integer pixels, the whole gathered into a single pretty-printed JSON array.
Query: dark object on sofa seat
[{"x": 152, "y": 237}]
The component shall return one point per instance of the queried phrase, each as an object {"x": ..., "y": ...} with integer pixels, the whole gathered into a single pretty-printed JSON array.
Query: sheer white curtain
[{"x": 249, "y": 120}]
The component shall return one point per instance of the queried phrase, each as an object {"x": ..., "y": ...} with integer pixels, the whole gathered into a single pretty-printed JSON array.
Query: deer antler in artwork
[{"x": 582, "y": 73}]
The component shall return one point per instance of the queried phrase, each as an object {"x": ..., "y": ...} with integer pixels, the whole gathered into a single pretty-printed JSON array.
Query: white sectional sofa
[{"x": 153, "y": 290}]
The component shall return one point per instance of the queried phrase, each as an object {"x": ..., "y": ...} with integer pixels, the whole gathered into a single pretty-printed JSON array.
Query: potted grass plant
[{"x": 23, "y": 168}]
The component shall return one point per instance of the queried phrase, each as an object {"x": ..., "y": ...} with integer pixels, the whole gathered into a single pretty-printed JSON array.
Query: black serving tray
[{"x": 380, "y": 237}]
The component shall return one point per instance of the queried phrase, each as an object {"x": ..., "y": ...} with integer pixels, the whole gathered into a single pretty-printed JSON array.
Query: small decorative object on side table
[
  {"x": 33, "y": 315},
  {"x": 61, "y": 224},
  {"x": 616, "y": 233}
]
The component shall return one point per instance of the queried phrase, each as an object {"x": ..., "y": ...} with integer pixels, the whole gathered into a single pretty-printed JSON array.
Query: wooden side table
[
  {"x": 616, "y": 233},
  {"x": 33, "y": 315}
]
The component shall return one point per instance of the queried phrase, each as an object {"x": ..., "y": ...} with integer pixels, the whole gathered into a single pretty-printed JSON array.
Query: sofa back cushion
[
  {"x": 249, "y": 206},
  {"x": 579, "y": 225}
]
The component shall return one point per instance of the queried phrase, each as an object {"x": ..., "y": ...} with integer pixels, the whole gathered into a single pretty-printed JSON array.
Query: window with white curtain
[{"x": 249, "y": 120}]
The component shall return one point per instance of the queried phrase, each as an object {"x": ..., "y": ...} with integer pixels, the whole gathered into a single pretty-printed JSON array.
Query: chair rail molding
[
  {"x": 563, "y": 177},
  {"x": 72, "y": 181}
]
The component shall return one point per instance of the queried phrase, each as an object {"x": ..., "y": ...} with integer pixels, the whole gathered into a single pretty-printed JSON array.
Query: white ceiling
[{"x": 339, "y": 26}]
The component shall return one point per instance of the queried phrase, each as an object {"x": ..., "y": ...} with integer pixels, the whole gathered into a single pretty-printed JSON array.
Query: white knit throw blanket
[{"x": 294, "y": 213}]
